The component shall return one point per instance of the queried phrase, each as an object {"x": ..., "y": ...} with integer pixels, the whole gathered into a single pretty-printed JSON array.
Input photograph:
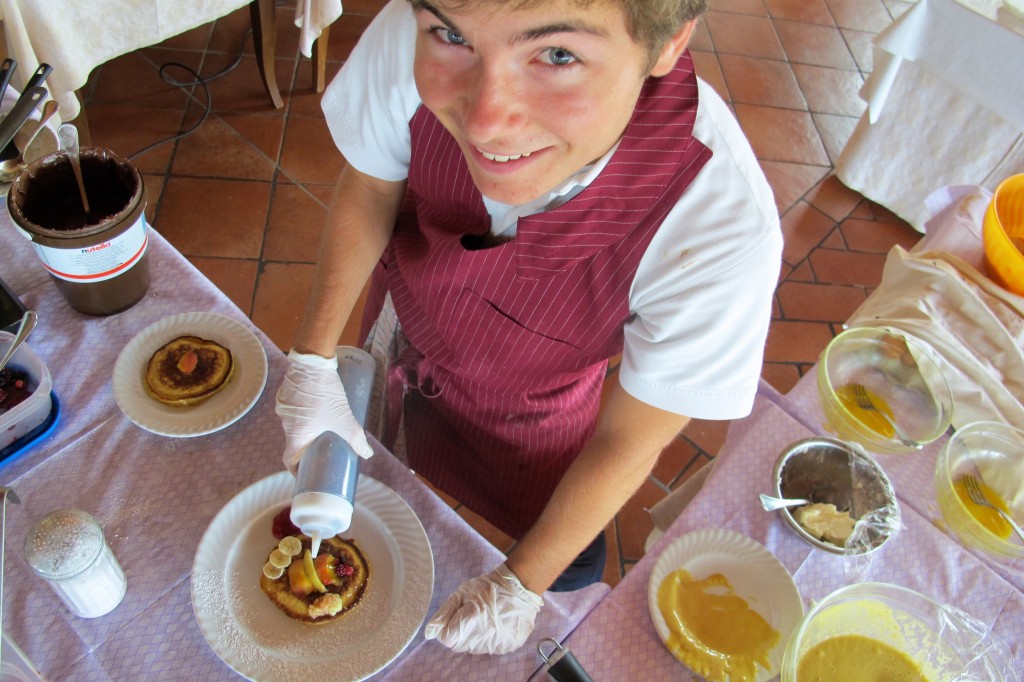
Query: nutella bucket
[{"x": 98, "y": 260}]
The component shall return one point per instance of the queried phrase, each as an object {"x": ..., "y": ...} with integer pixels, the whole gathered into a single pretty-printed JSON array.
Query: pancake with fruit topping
[
  {"x": 188, "y": 370},
  {"x": 315, "y": 590}
]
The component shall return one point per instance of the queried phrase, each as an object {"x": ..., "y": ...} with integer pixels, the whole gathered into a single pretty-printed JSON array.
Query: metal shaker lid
[{"x": 63, "y": 543}]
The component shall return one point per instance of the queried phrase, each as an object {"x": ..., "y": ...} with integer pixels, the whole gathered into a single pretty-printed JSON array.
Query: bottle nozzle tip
[{"x": 315, "y": 544}]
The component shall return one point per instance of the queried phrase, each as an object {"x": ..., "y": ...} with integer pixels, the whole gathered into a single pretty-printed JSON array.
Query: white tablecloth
[
  {"x": 155, "y": 497},
  {"x": 617, "y": 641},
  {"x": 944, "y": 106},
  {"x": 74, "y": 37}
]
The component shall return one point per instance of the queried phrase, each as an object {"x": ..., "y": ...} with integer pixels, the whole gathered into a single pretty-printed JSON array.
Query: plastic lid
[
  {"x": 63, "y": 544},
  {"x": 321, "y": 515}
]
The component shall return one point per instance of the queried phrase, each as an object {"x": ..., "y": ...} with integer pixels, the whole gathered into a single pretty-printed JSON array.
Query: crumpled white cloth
[
  {"x": 75, "y": 37},
  {"x": 974, "y": 328},
  {"x": 489, "y": 614},
  {"x": 312, "y": 400},
  {"x": 312, "y": 17}
]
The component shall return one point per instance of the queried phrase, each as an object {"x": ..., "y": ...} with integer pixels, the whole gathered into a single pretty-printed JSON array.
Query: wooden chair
[{"x": 264, "y": 33}]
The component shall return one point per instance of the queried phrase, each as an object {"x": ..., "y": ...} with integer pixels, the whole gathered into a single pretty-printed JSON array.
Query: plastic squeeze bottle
[{"x": 325, "y": 486}]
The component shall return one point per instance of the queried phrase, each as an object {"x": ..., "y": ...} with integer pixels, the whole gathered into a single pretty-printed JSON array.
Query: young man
[{"x": 571, "y": 191}]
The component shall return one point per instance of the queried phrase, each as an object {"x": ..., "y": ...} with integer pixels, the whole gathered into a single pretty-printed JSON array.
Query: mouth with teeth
[{"x": 501, "y": 158}]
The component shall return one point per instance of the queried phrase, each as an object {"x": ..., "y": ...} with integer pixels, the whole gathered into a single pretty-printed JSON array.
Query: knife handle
[
  {"x": 39, "y": 76},
  {"x": 23, "y": 108},
  {"x": 6, "y": 71}
]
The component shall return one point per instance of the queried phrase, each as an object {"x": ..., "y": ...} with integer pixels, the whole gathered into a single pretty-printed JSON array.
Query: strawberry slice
[{"x": 187, "y": 362}]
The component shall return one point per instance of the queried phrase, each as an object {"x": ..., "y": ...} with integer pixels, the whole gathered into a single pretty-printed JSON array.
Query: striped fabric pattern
[{"x": 509, "y": 344}]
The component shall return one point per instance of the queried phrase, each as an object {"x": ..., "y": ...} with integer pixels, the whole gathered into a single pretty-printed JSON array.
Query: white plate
[
  {"x": 259, "y": 641},
  {"x": 221, "y": 409},
  {"x": 754, "y": 573}
]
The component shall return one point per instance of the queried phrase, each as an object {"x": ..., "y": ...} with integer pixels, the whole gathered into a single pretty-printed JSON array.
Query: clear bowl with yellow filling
[
  {"x": 884, "y": 390},
  {"x": 992, "y": 452},
  {"x": 877, "y": 631}
]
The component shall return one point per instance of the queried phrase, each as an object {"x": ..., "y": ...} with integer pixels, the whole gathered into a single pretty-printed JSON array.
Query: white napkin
[{"x": 312, "y": 17}]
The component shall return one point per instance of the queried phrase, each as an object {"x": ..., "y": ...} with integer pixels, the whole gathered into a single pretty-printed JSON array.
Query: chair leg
[
  {"x": 264, "y": 36},
  {"x": 320, "y": 60}
]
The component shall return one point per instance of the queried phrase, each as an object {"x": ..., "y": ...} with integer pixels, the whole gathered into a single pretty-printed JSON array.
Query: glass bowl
[
  {"x": 942, "y": 642},
  {"x": 994, "y": 453},
  {"x": 883, "y": 390},
  {"x": 831, "y": 471}
]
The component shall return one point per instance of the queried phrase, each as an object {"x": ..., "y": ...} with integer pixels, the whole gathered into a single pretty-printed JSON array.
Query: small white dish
[
  {"x": 753, "y": 572},
  {"x": 213, "y": 414}
]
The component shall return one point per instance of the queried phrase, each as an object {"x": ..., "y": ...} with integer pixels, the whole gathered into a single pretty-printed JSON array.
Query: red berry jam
[
  {"x": 13, "y": 388},
  {"x": 283, "y": 526}
]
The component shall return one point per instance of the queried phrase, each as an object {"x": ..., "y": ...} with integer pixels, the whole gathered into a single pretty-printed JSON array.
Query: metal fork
[
  {"x": 863, "y": 400},
  {"x": 977, "y": 496}
]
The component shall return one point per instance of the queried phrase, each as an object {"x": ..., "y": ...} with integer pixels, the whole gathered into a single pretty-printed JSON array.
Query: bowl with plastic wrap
[
  {"x": 851, "y": 506},
  {"x": 884, "y": 390},
  {"x": 879, "y": 631}
]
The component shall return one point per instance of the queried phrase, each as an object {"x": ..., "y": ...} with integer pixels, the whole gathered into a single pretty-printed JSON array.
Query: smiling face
[{"x": 531, "y": 95}]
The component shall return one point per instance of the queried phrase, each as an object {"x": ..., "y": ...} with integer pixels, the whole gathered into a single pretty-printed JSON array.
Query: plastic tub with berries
[{"x": 28, "y": 408}]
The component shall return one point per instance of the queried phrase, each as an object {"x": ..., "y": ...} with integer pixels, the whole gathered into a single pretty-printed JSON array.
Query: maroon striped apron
[{"x": 509, "y": 344}]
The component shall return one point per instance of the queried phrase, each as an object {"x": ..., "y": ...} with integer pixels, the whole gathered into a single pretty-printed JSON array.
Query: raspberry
[{"x": 346, "y": 570}]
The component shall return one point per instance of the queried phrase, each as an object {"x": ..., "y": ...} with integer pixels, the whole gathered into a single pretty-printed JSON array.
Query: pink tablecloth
[
  {"x": 617, "y": 641},
  {"x": 155, "y": 496}
]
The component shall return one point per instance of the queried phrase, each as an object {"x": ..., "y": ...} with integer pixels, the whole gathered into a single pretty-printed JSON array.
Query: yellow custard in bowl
[
  {"x": 853, "y": 658},
  {"x": 870, "y": 632}
]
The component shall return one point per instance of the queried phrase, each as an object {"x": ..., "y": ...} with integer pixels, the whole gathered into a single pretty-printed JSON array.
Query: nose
[{"x": 494, "y": 104}]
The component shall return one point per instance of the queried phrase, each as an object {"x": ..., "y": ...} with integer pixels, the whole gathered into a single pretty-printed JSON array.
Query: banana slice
[
  {"x": 279, "y": 559},
  {"x": 271, "y": 571},
  {"x": 290, "y": 545}
]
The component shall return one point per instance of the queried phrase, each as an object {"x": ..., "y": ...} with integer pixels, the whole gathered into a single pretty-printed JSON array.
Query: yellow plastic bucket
[{"x": 1003, "y": 235}]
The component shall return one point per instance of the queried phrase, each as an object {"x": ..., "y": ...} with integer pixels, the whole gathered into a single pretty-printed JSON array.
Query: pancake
[
  {"x": 344, "y": 582},
  {"x": 188, "y": 370}
]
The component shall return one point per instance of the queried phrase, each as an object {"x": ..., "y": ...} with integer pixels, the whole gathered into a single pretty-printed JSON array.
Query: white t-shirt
[{"x": 701, "y": 299}]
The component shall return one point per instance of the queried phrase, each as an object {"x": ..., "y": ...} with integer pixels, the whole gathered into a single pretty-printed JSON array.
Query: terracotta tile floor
[{"x": 244, "y": 195}]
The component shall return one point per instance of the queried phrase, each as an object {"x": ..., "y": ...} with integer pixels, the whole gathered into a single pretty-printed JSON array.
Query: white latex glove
[
  {"x": 312, "y": 400},
  {"x": 490, "y": 614}
]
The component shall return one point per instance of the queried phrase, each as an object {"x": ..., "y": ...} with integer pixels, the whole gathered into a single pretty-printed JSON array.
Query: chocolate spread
[{"x": 45, "y": 202}]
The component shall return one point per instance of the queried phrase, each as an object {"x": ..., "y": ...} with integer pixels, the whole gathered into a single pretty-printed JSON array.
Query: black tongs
[{"x": 31, "y": 97}]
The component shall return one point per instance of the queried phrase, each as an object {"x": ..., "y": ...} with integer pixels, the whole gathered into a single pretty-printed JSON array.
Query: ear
[{"x": 669, "y": 53}]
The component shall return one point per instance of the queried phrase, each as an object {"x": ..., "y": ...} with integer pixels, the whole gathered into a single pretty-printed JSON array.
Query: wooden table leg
[
  {"x": 320, "y": 60},
  {"x": 264, "y": 36}
]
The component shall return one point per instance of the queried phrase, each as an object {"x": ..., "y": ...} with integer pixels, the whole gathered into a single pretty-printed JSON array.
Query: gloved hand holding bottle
[{"x": 312, "y": 400}]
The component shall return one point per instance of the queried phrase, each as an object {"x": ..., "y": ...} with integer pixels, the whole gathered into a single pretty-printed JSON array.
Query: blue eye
[
  {"x": 447, "y": 35},
  {"x": 559, "y": 56}
]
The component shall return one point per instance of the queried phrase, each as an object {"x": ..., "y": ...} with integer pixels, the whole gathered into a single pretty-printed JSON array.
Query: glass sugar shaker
[{"x": 66, "y": 548}]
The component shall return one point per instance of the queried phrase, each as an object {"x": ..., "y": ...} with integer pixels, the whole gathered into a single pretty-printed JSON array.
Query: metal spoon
[
  {"x": 772, "y": 503},
  {"x": 28, "y": 323},
  {"x": 9, "y": 168},
  {"x": 68, "y": 135}
]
